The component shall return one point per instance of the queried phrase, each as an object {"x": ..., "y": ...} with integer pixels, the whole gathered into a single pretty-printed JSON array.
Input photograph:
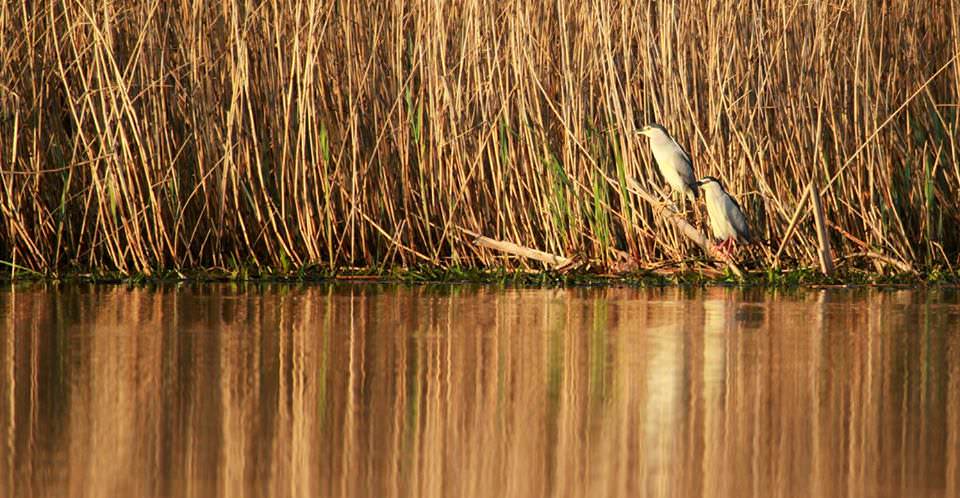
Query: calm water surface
[{"x": 383, "y": 391}]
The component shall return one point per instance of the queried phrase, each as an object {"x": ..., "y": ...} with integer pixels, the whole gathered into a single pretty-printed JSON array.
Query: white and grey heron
[
  {"x": 727, "y": 221},
  {"x": 673, "y": 161}
]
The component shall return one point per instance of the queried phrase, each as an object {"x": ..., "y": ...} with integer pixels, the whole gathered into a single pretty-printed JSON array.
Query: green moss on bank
[{"x": 771, "y": 278}]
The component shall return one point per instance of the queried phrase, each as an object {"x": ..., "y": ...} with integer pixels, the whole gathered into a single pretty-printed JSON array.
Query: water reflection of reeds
[{"x": 459, "y": 391}]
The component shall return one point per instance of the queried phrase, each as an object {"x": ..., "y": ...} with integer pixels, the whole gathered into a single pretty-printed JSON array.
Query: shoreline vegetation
[
  {"x": 691, "y": 273},
  {"x": 476, "y": 141}
]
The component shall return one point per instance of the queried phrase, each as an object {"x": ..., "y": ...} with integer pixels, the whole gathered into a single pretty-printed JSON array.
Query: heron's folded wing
[
  {"x": 737, "y": 219},
  {"x": 685, "y": 168}
]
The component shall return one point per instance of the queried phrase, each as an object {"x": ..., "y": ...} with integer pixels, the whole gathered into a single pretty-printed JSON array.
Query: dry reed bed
[{"x": 145, "y": 135}]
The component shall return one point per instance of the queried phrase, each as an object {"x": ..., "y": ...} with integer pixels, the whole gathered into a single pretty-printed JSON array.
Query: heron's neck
[
  {"x": 715, "y": 193},
  {"x": 661, "y": 139}
]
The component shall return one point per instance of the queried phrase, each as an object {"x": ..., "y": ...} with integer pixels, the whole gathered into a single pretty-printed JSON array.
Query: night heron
[
  {"x": 726, "y": 218},
  {"x": 674, "y": 162}
]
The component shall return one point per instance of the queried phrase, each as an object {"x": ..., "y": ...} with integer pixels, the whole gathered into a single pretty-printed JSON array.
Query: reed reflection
[{"x": 462, "y": 391}]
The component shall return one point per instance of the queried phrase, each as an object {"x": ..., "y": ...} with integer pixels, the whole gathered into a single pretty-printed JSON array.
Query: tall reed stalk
[{"x": 144, "y": 135}]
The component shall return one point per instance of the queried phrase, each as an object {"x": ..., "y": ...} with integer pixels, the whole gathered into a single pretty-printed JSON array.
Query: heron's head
[
  {"x": 651, "y": 130},
  {"x": 709, "y": 183}
]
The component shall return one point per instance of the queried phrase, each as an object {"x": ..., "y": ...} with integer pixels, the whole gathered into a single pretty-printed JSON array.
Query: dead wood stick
[
  {"x": 823, "y": 238},
  {"x": 669, "y": 211},
  {"x": 516, "y": 249}
]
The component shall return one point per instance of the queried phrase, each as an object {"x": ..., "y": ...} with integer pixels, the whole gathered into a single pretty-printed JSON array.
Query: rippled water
[{"x": 455, "y": 391}]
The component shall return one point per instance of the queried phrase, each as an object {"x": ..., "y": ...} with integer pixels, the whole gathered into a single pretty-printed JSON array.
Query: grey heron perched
[
  {"x": 727, "y": 221},
  {"x": 673, "y": 161}
]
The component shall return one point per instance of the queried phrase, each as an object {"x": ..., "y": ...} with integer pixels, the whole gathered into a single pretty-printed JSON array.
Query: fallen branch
[
  {"x": 516, "y": 249},
  {"x": 670, "y": 212}
]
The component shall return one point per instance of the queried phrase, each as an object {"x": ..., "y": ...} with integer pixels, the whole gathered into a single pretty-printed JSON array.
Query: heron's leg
[
  {"x": 718, "y": 248},
  {"x": 733, "y": 248},
  {"x": 725, "y": 250}
]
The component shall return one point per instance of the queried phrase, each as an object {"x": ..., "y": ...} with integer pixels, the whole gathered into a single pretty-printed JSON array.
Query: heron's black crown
[{"x": 708, "y": 179}]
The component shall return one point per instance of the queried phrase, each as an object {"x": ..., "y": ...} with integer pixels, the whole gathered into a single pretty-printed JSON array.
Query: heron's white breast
[
  {"x": 716, "y": 209},
  {"x": 671, "y": 162}
]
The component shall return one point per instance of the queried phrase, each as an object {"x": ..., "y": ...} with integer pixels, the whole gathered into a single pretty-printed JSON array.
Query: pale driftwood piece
[
  {"x": 904, "y": 267},
  {"x": 518, "y": 250},
  {"x": 670, "y": 212},
  {"x": 823, "y": 238}
]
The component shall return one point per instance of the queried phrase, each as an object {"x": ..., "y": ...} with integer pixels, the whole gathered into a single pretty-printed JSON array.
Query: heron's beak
[{"x": 643, "y": 131}]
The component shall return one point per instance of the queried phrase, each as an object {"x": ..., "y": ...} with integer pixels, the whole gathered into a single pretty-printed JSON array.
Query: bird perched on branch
[
  {"x": 673, "y": 161},
  {"x": 727, "y": 221}
]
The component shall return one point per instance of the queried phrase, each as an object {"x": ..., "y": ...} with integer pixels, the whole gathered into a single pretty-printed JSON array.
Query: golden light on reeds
[
  {"x": 148, "y": 135},
  {"x": 371, "y": 391}
]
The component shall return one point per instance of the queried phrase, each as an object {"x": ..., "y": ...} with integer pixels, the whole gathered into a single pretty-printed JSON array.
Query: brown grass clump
[{"x": 140, "y": 135}]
